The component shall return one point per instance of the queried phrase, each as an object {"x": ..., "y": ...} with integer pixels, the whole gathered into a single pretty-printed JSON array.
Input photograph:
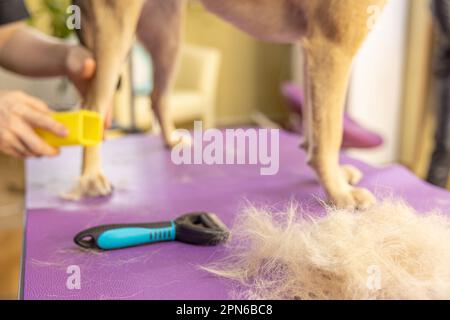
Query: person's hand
[
  {"x": 19, "y": 115},
  {"x": 81, "y": 67}
]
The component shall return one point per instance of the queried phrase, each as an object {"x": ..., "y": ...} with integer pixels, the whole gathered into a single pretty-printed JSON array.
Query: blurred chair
[{"x": 193, "y": 96}]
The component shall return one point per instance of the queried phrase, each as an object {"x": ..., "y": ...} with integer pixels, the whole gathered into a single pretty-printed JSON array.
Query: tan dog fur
[{"x": 330, "y": 31}]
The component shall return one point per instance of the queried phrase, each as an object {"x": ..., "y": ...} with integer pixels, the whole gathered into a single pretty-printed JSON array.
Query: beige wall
[
  {"x": 43, "y": 22},
  {"x": 251, "y": 71},
  {"x": 417, "y": 130}
]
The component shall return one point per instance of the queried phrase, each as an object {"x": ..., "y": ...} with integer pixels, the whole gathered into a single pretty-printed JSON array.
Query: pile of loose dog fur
[{"x": 387, "y": 252}]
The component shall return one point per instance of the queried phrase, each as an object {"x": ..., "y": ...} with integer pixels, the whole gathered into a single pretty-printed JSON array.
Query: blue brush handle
[{"x": 124, "y": 236}]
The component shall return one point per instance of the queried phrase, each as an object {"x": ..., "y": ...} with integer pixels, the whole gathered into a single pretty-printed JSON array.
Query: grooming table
[{"x": 148, "y": 187}]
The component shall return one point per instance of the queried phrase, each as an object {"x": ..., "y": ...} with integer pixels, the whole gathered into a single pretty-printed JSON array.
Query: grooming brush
[
  {"x": 85, "y": 129},
  {"x": 196, "y": 228}
]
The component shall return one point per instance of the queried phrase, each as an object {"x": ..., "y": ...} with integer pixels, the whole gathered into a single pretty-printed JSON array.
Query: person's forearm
[{"x": 30, "y": 53}]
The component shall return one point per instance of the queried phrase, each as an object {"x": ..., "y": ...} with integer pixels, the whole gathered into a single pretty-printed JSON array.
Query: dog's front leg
[
  {"x": 328, "y": 70},
  {"x": 108, "y": 30},
  {"x": 332, "y": 42}
]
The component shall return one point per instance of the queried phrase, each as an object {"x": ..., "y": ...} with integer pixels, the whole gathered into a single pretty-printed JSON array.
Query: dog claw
[
  {"x": 355, "y": 198},
  {"x": 352, "y": 174},
  {"x": 175, "y": 138}
]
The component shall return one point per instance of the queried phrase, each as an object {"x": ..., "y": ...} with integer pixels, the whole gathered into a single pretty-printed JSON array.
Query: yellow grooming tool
[{"x": 85, "y": 129}]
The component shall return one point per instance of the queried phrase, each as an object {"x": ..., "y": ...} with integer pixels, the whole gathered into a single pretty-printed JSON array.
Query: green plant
[{"x": 55, "y": 13}]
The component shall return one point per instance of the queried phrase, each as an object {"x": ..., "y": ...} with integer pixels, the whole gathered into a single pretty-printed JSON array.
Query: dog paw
[
  {"x": 90, "y": 186},
  {"x": 175, "y": 138},
  {"x": 351, "y": 174},
  {"x": 355, "y": 198}
]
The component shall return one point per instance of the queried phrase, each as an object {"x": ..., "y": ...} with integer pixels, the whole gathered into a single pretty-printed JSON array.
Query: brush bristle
[{"x": 215, "y": 219}]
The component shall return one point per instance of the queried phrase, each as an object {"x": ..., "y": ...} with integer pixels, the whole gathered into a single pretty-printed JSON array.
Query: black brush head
[{"x": 201, "y": 228}]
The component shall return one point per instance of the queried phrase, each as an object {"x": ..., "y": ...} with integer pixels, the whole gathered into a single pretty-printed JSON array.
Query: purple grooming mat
[{"x": 149, "y": 187}]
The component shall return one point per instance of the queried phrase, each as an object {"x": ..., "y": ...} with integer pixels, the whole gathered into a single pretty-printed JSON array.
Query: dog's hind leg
[
  {"x": 159, "y": 29},
  {"x": 330, "y": 46},
  {"x": 108, "y": 30}
]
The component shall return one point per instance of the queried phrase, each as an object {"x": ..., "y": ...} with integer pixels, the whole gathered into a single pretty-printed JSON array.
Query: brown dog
[{"x": 330, "y": 31}]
